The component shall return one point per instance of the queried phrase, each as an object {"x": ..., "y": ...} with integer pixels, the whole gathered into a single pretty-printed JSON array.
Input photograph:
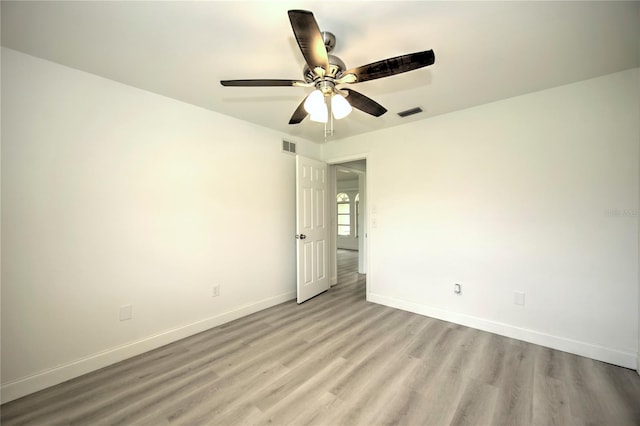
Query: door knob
[{"x": 301, "y": 236}]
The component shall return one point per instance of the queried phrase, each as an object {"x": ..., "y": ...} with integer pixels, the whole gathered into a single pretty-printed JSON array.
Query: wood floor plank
[
  {"x": 476, "y": 405},
  {"x": 514, "y": 404},
  {"x": 339, "y": 360},
  {"x": 316, "y": 413},
  {"x": 390, "y": 404},
  {"x": 309, "y": 390},
  {"x": 435, "y": 395},
  {"x": 549, "y": 402}
]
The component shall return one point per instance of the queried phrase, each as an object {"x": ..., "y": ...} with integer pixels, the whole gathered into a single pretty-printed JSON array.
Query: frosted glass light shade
[
  {"x": 340, "y": 106},
  {"x": 314, "y": 101},
  {"x": 321, "y": 115},
  {"x": 316, "y": 107}
]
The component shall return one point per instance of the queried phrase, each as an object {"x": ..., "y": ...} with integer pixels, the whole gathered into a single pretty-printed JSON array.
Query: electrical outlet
[
  {"x": 457, "y": 288},
  {"x": 215, "y": 291},
  {"x": 126, "y": 312},
  {"x": 518, "y": 298}
]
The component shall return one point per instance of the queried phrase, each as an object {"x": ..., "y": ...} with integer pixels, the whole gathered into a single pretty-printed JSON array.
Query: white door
[{"x": 311, "y": 227}]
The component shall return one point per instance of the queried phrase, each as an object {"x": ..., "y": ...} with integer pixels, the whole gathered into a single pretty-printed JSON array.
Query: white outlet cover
[
  {"x": 518, "y": 298},
  {"x": 126, "y": 312}
]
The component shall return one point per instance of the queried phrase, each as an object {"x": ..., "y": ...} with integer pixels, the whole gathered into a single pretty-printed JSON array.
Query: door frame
[{"x": 333, "y": 262}]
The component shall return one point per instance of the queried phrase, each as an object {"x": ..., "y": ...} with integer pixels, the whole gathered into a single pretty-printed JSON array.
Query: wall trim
[
  {"x": 53, "y": 376},
  {"x": 600, "y": 353}
]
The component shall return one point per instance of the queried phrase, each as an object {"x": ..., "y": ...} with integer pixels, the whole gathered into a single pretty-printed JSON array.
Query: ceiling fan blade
[
  {"x": 309, "y": 39},
  {"x": 300, "y": 113},
  {"x": 364, "y": 103},
  {"x": 262, "y": 83},
  {"x": 392, "y": 66}
]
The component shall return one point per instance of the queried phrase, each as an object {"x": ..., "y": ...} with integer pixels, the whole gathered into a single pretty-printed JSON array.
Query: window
[{"x": 344, "y": 214}]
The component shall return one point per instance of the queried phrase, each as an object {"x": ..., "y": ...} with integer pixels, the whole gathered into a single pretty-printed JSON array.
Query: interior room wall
[
  {"x": 113, "y": 196},
  {"x": 536, "y": 194}
]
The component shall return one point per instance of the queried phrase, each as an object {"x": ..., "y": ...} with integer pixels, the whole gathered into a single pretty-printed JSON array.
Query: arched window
[
  {"x": 342, "y": 197},
  {"x": 344, "y": 214}
]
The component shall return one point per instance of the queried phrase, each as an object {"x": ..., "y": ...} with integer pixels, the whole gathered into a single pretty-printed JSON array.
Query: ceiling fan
[{"x": 326, "y": 72}]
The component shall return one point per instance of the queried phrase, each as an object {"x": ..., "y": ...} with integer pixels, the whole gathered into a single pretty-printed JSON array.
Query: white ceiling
[{"x": 485, "y": 51}]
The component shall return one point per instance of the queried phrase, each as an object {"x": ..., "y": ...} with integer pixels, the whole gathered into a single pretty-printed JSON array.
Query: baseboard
[
  {"x": 36, "y": 382},
  {"x": 638, "y": 363},
  {"x": 600, "y": 353}
]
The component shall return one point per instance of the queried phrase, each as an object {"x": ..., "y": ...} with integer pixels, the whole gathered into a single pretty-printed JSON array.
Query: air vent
[
  {"x": 289, "y": 147},
  {"x": 409, "y": 112}
]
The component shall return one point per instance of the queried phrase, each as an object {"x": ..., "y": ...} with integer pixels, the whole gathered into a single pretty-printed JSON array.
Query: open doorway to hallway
[{"x": 350, "y": 230}]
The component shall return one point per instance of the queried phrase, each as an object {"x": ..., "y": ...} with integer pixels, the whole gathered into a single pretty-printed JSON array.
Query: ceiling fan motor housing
[{"x": 336, "y": 66}]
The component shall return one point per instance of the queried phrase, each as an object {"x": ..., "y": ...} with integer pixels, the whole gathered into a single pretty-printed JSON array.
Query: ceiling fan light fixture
[
  {"x": 340, "y": 107},
  {"x": 324, "y": 72},
  {"x": 316, "y": 107},
  {"x": 314, "y": 102},
  {"x": 320, "y": 116}
]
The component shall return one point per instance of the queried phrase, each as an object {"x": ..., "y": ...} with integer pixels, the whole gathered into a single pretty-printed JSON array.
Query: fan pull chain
[{"x": 328, "y": 126}]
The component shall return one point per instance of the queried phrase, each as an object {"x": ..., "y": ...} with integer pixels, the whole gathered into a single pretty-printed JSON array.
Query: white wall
[
  {"x": 114, "y": 196},
  {"x": 536, "y": 194}
]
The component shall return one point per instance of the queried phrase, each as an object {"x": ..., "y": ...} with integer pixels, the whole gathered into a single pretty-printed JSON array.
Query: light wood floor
[{"x": 338, "y": 360}]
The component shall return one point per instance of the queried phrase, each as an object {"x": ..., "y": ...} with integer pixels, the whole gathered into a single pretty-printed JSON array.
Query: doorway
[{"x": 349, "y": 233}]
